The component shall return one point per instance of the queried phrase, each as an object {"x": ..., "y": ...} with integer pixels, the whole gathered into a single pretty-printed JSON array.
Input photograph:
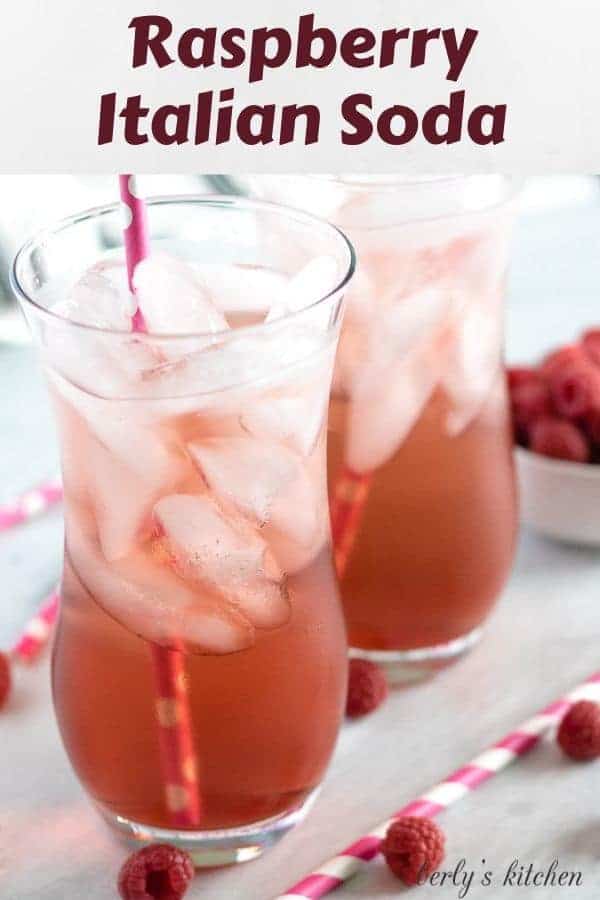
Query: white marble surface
[{"x": 543, "y": 638}]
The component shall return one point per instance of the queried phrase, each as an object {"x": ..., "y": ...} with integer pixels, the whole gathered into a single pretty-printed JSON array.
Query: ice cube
[
  {"x": 74, "y": 436},
  {"x": 130, "y": 358},
  {"x": 293, "y": 417},
  {"x": 225, "y": 555},
  {"x": 226, "y": 374},
  {"x": 265, "y": 481},
  {"x": 121, "y": 497},
  {"x": 150, "y": 600},
  {"x": 474, "y": 361},
  {"x": 82, "y": 357},
  {"x": 114, "y": 269},
  {"x": 382, "y": 413},
  {"x": 148, "y": 450},
  {"x": 144, "y": 449},
  {"x": 122, "y": 501},
  {"x": 409, "y": 320},
  {"x": 173, "y": 298},
  {"x": 312, "y": 283},
  {"x": 236, "y": 290},
  {"x": 292, "y": 556},
  {"x": 98, "y": 299},
  {"x": 407, "y": 358},
  {"x": 107, "y": 362}
]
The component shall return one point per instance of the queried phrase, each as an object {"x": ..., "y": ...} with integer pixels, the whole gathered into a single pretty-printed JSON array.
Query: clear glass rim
[
  {"x": 206, "y": 200},
  {"x": 390, "y": 181},
  {"x": 360, "y": 184}
]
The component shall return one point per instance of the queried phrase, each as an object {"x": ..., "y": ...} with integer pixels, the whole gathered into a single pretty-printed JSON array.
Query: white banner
[{"x": 267, "y": 86}]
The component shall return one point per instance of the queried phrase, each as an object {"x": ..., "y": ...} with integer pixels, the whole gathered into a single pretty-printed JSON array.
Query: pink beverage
[
  {"x": 420, "y": 466},
  {"x": 199, "y": 669}
]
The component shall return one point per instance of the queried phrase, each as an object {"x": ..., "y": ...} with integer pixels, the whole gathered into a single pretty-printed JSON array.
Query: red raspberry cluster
[
  {"x": 367, "y": 688},
  {"x": 156, "y": 872},
  {"x": 413, "y": 848},
  {"x": 556, "y": 405},
  {"x": 579, "y": 732}
]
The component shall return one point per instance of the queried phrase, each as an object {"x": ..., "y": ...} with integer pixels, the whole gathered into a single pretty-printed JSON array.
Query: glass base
[
  {"x": 215, "y": 848},
  {"x": 404, "y": 666}
]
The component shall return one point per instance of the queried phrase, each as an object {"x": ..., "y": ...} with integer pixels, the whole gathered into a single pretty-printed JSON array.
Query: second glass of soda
[{"x": 421, "y": 480}]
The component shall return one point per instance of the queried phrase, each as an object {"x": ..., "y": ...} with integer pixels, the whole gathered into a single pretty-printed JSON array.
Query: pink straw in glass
[
  {"x": 172, "y": 703},
  {"x": 135, "y": 235},
  {"x": 341, "y": 868}
]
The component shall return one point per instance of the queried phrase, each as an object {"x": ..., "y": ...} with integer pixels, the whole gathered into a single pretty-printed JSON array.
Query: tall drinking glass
[
  {"x": 420, "y": 466},
  {"x": 199, "y": 667}
]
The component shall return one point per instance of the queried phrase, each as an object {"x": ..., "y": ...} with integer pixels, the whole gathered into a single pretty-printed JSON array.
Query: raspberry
[
  {"x": 5, "y": 678},
  {"x": 521, "y": 436},
  {"x": 575, "y": 389},
  {"x": 157, "y": 872},
  {"x": 564, "y": 356},
  {"x": 592, "y": 424},
  {"x": 555, "y": 437},
  {"x": 530, "y": 400},
  {"x": 413, "y": 847},
  {"x": 520, "y": 375},
  {"x": 367, "y": 688},
  {"x": 590, "y": 341},
  {"x": 579, "y": 732}
]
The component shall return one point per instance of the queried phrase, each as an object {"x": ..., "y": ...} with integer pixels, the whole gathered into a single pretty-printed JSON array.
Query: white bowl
[{"x": 558, "y": 498}]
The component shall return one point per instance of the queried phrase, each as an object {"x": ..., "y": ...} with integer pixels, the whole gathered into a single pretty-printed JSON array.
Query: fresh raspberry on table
[
  {"x": 592, "y": 424},
  {"x": 367, "y": 688},
  {"x": 565, "y": 356},
  {"x": 157, "y": 872},
  {"x": 529, "y": 401},
  {"x": 558, "y": 438},
  {"x": 575, "y": 389},
  {"x": 517, "y": 376},
  {"x": 413, "y": 848},
  {"x": 5, "y": 678},
  {"x": 590, "y": 341},
  {"x": 579, "y": 731}
]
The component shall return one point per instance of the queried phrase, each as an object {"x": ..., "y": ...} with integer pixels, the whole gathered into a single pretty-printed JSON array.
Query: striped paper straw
[
  {"x": 517, "y": 743},
  {"x": 30, "y": 504},
  {"x": 135, "y": 235},
  {"x": 175, "y": 736},
  {"x": 350, "y": 494},
  {"x": 173, "y": 714},
  {"x": 38, "y": 630}
]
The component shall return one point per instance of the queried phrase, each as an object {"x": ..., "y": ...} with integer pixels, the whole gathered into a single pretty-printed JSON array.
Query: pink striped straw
[
  {"x": 38, "y": 630},
  {"x": 135, "y": 235},
  {"x": 30, "y": 504},
  {"x": 173, "y": 712},
  {"x": 343, "y": 867}
]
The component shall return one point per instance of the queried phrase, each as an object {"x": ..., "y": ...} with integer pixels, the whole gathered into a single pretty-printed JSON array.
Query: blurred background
[{"x": 554, "y": 292}]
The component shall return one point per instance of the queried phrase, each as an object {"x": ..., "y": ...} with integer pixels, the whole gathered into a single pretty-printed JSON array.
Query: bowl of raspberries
[{"x": 556, "y": 420}]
